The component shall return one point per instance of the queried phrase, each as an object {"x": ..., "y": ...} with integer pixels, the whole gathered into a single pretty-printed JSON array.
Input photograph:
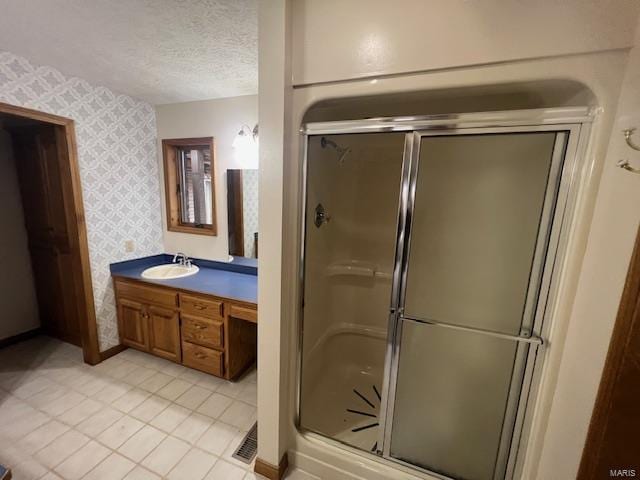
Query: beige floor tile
[
  {"x": 194, "y": 466},
  {"x": 172, "y": 416},
  {"x": 92, "y": 386},
  {"x": 50, "y": 476},
  {"x": 123, "y": 369},
  {"x": 240, "y": 414},
  {"x": 47, "y": 395},
  {"x": 225, "y": 471},
  {"x": 61, "y": 448},
  {"x": 140, "y": 473},
  {"x": 174, "y": 389},
  {"x": 120, "y": 432},
  {"x": 31, "y": 387},
  {"x": 217, "y": 438},
  {"x": 25, "y": 424},
  {"x": 156, "y": 382},
  {"x": 81, "y": 412},
  {"x": 139, "y": 375},
  {"x": 215, "y": 405},
  {"x": 100, "y": 421},
  {"x": 249, "y": 394},
  {"x": 114, "y": 467},
  {"x": 42, "y": 436},
  {"x": 209, "y": 381},
  {"x": 230, "y": 389},
  {"x": 78, "y": 465},
  {"x": 166, "y": 455},
  {"x": 114, "y": 390},
  {"x": 130, "y": 400},
  {"x": 193, "y": 397},
  {"x": 64, "y": 403},
  {"x": 28, "y": 470},
  {"x": 192, "y": 428},
  {"x": 142, "y": 443},
  {"x": 148, "y": 409}
]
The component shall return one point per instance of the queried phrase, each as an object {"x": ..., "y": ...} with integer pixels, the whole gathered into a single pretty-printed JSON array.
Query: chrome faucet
[{"x": 182, "y": 259}]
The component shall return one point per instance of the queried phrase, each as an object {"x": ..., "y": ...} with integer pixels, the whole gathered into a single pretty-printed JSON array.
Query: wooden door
[
  {"x": 42, "y": 185},
  {"x": 164, "y": 333},
  {"x": 133, "y": 324},
  {"x": 612, "y": 449}
]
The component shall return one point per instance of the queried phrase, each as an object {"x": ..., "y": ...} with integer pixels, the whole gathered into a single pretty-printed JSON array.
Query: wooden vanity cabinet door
[
  {"x": 164, "y": 333},
  {"x": 133, "y": 324}
]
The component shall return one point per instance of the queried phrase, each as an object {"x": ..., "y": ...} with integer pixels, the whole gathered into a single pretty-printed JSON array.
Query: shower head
[{"x": 342, "y": 151}]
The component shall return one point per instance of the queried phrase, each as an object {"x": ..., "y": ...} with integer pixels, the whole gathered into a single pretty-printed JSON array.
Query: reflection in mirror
[
  {"x": 242, "y": 212},
  {"x": 194, "y": 166}
]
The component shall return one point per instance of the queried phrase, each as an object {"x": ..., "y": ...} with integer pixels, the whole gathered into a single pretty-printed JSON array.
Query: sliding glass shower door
[
  {"x": 480, "y": 219},
  {"x": 430, "y": 255}
]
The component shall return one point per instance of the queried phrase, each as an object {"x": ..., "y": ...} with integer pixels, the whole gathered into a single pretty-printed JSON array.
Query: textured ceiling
[{"x": 160, "y": 51}]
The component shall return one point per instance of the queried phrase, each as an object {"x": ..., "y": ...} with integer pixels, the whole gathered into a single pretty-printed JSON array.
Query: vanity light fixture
[{"x": 246, "y": 146}]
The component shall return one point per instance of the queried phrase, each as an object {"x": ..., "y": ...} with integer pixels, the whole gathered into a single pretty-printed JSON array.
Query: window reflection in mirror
[
  {"x": 194, "y": 173},
  {"x": 189, "y": 171},
  {"x": 242, "y": 212}
]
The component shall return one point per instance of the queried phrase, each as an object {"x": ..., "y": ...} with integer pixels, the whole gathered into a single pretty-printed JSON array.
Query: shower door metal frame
[{"x": 576, "y": 122}]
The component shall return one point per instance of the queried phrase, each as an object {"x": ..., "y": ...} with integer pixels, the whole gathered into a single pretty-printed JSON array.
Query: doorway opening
[{"x": 47, "y": 246}]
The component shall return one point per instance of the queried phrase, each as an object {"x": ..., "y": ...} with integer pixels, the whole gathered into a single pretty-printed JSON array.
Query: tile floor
[{"x": 132, "y": 417}]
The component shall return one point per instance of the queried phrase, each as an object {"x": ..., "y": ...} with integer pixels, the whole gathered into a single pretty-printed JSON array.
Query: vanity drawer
[
  {"x": 243, "y": 313},
  {"x": 203, "y": 307},
  {"x": 203, "y": 358},
  {"x": 146, "y": 294},
  {"x": 203, "y": 331}
]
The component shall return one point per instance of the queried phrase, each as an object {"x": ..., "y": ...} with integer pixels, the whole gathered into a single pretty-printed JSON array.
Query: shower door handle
[{"x": 531, "y": 339}]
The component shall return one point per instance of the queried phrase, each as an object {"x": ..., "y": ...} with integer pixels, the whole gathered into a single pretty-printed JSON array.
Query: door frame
[
  {"x": 74, "y": 212},
  {"x": 577, "y": 120}
]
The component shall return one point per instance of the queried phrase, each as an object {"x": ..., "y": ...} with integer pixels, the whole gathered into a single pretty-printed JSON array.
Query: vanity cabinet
[
  {"x": 164, "y": 332},
  {"x": 211, "y": 334},
  {"x": 132, "y": 324}
]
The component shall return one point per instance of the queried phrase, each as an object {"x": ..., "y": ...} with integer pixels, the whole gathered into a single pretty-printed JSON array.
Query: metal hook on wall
[{"x": 624, "y": 164}]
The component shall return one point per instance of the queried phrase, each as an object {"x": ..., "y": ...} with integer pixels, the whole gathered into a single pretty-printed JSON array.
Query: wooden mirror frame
[{"x": 172, "y": 197}]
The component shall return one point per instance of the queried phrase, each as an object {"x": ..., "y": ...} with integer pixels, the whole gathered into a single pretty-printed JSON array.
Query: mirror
[
  {"x": 189, "y": 185},
  {"x": 242, "y": 212}
]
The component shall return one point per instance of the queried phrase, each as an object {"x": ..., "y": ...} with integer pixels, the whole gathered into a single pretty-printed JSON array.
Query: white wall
[
  {"x": 274, "y": 91},
  {"x": 611, "y": 239},
  {"x": 221, "y": 119},
  {"x": 116, "y": 140},
  {"x": 18, "y": 302},
  {"x": 338, "y": 40}
]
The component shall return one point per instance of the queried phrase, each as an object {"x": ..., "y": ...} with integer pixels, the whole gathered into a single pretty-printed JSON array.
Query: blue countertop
[{"x": 237, "y": 281}]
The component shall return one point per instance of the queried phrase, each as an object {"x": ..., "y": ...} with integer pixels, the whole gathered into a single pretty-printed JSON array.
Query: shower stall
[{"x": 431, "y": 248}]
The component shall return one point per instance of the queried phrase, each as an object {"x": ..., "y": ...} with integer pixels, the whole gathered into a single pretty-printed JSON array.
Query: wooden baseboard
[
  {"x": 271, "y": 471},
  {"x": 21, "y": 337},
  {"x": 110, "y": 352}
]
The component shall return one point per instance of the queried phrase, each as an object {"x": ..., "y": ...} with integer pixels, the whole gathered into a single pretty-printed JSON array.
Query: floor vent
[{"x": 249, "y": 446}]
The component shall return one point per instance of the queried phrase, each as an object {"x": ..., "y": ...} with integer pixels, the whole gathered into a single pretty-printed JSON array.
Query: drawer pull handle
[
  {"x": 200, "y": 327},
  {"x": 200, "y": 307},
  {"x": 200, "y": 356}
]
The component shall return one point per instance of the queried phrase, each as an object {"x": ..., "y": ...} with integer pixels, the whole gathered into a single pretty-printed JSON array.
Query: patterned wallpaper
[
  {"x": 116, "y": 138},
  {"x": 250, "y": 209}
]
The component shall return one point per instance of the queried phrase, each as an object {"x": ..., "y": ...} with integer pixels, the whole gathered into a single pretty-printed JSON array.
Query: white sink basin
[{"x": 169, "y": 271}]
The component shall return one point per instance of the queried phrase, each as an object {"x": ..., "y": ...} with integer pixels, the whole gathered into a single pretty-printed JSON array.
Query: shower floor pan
[{"x": 341, "y": 397}]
